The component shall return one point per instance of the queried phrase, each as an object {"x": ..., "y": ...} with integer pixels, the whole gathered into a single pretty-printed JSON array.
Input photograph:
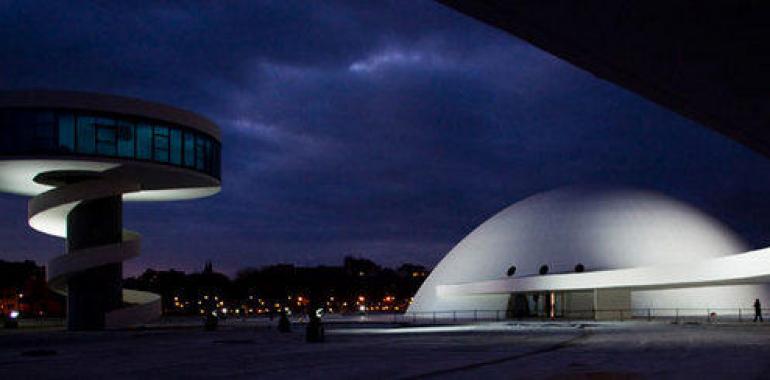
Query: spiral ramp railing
[{"x": 48, "y": 214}]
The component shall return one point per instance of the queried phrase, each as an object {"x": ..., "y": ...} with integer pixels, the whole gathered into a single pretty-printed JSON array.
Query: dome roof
[{"x": 598, "y": 227}]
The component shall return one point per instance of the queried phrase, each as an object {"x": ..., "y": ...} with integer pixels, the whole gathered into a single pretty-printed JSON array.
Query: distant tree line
[{"x": 359, "y": 284}]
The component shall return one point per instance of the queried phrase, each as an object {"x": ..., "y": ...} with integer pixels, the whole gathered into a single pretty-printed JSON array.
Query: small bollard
[
  {"x": 12, "y": 320},
  {"x": 314, "y": 332},
  {"x": 284, "y": 325},
  {"x": 211, "y": 322}
]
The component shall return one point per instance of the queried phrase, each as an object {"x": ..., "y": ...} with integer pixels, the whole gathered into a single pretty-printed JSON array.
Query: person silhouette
[{"x": 757, "y": 310}]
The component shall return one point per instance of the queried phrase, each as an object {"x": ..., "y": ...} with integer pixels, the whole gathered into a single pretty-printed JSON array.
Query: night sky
[{"x": 386, "y": 131}]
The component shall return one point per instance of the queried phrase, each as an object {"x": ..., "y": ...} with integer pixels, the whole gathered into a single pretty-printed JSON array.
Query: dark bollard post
[
  {"x": 739, "y": 315},
  {"x": 454, "y": 316},
  {"x": 434, "y": 317},
  {"x": 284, "y": 325},
  {"x": 11, "y": 322},
  {"x": 475, "y": 316},
  {"x": 676, "y": 318},
  {"x": 211, "y": 322},
  {"x": 497, "y": 315},
  {"x": 314, "y": 332},
  {"x": 414, "y": 318},
  {"x": 649, "y": 314}
]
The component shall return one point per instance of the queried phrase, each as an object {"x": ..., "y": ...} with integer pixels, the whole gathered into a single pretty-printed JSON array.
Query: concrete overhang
[
  {"x": 709, "y": 61},
  {"x": 745, "y": 268}
]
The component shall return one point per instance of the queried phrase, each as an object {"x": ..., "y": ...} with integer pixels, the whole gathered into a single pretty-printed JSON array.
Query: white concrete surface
[{"x": 621, "y": 236}]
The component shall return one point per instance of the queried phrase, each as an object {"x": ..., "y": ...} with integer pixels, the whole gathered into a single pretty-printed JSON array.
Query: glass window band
[{"x": 28, "y": 131}]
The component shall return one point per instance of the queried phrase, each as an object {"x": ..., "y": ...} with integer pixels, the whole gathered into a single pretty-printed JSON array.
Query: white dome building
[{"x": 620, "y": 239}]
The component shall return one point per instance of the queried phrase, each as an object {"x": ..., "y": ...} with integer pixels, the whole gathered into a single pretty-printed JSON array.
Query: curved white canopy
[{"x": 745, "y": 268}]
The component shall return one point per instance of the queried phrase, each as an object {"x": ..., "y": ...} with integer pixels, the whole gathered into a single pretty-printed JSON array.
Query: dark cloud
[{"x": 387, "y": 131}]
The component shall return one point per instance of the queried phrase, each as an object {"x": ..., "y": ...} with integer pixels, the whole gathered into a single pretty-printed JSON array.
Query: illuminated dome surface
[{"x": 599, "y": 227}]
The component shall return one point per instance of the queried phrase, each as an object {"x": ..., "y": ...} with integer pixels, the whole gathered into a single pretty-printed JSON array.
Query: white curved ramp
[{"x": 48, "y": 214}]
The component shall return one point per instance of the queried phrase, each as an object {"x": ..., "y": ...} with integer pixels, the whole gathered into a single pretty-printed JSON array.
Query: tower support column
[{"x": 95, "y": 291}]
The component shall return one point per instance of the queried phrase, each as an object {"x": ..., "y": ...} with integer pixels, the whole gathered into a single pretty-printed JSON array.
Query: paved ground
[{"x": 628, "y": 350}]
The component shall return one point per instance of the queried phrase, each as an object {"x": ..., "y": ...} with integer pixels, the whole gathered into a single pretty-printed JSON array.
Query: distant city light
[{"x": 14, "y": 314}]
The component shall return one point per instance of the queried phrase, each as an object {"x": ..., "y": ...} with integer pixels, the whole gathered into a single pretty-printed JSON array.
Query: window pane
[
  {"x": 8, "y": 140},
  {"x": 161, "y": 148},
  {"x": 44, "y": 131},
  {"x": 105, "y": 133},
  {"x": 163, "y": 131},
  {"x": 209, "y": 154},
  {"x": 86, "y": 135},
  {"x": 143, "y": 141},
  {"x": 67, "y": 132},
  {"x": 218, "y": 160},
  {"x": 44, "y": 117},
  {"x": 200, "y": 153},
  {"x": 106, "y": 137},
  {"x": 189, "y": 149},
  {"x": 125, "y": 139},
  {"x": 175, "y": 146},
  {"x": 161, "y": 144}
]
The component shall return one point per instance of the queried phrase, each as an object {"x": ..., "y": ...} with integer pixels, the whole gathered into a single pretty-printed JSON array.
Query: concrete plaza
[{"x": 254, "y": 349}]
